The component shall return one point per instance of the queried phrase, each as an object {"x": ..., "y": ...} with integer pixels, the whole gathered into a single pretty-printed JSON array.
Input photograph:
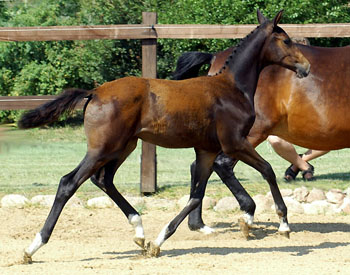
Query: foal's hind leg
[
  {"x": 103, "y": 178},
  {"x": 66, "y": 188},
  {"x": 203, "y": 171}
]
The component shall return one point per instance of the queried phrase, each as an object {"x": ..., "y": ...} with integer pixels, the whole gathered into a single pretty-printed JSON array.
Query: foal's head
[{"x": 280, "y": 49}]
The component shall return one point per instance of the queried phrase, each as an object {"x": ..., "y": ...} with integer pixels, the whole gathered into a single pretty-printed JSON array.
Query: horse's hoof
[
  {"x": 243, "y": 225},
  {"x": 140, "y": 242},
  {"x": 153, "y": 250},
  {"x": 207, "y": 230},
  {"x": 285, "y": 234},
  {"x": 27, "y": 259}
]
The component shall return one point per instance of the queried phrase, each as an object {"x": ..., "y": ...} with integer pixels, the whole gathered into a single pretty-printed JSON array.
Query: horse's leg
[
  {"x": 66, "y": 189},
  {"x": 223, "y": 166},
  {"x": 195, "y": 221},
  {"x": 248, "y": 155},
  {"x": 202, "y": 173},
  {"x": 103, "y": 178}
]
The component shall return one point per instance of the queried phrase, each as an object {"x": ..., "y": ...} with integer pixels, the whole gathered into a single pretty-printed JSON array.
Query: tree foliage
[{"x": 40, "y": 68}]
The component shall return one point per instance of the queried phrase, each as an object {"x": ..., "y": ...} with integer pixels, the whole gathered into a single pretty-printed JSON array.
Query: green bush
[
  {"x": 42, "y": 68},
  {"x": 243, "y": 12}
]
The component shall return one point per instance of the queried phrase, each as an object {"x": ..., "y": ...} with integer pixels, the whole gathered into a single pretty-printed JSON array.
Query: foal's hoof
[
  {"x": 285, "y": 234},
  {"x": 140, "y": 242},
  {"x": 153, "y": 250},
  {"x": 27, "y": 259},
  {"x": 207, "y": 230},
  {"x": 243, "y": 225}
]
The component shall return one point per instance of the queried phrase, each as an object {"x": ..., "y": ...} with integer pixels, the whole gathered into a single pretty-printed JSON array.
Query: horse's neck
[{"x": 246, "y": 65}]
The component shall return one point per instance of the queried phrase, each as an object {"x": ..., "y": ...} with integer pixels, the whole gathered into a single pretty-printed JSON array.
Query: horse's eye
[{"x": 287, "y": 41}]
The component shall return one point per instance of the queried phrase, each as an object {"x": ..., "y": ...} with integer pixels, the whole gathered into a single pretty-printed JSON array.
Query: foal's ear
[
  {"x": 261, "y": 17},
  {"x": 277, "y": 18}
]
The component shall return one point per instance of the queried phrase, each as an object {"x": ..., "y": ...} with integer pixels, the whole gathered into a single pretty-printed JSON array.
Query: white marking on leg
[
  {"x": 136, "y": 222},
  {"x": 207, "y": 230},
  {"x": 249, "y": 219},
  {"x": 161, "y": 237},
  {"x": 284, "y": 227},
  {"x": 36, "y": 244}
]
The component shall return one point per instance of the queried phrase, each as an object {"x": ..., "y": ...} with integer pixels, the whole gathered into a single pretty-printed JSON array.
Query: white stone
[
  {"x": 286, "y": 192},
  {"x": 335, "y": 196},
  {"x": 47, "y": 201},
  {"x": 100, "y": 202},
  {"x": 345, "y": 207},
  {"x": 12, "y": 200},
  {"x": 74, "y": 201},
  {"x": 301, "y": 193},
  {"x": 43, "y": 200},
  {"x": 226, "y": 204},
  {"x": 293, "y": 205},
  {"x": 208, "y": 203},
  {"x": 347, "y": 192},
  {"x": 135, "y": 200},
  {"x": 155, "y": 203},
  {"x": 263, "y": 203},
  {"x": 316, "y": 195},
  {"x": 319, "y": 207},
  {"x": 269, "y": 195}
]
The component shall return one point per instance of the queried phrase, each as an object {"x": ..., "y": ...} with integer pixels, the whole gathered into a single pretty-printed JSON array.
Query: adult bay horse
[
  {"x": 209, "y": 114},
  {"x": 310, "y": 112}
]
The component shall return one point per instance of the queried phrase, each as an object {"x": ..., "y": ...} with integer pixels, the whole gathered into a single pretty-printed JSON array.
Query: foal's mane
[{"x": 241, "y": 46}]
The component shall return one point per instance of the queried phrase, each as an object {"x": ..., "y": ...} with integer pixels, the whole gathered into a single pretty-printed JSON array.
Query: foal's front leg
[
  {"x": 202, "y": 173},
  {"x": 223, "y": 166}
]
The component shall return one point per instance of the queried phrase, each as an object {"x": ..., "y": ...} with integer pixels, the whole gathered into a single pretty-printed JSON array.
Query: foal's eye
[{"x": 287, "y": 41}]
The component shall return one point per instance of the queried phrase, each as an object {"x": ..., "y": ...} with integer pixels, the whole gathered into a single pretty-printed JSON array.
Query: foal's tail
[
  {"x": 52, "y": 110},
  {"x": 189, "y": 64}
]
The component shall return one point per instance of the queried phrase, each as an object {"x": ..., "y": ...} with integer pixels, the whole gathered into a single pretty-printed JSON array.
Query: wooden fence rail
[
  {"x": 154, "y": 31},
  {"x": 28, "y": 102}
]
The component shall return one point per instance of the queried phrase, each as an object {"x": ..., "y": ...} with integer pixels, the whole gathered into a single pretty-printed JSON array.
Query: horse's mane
[{"x": 240, "y": 47}]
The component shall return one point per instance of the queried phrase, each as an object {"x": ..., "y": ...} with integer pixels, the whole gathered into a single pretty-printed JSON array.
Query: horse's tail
[
  {"x": 189, "y": 64},
  {"x": 52, "y": 110}
]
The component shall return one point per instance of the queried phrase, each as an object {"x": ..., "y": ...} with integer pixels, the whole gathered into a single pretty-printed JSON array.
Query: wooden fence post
[{"x": 149, "y": 69}]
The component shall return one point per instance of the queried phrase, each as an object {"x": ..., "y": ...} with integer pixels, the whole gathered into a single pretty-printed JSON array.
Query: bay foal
[{"x": 209, "y": 114}]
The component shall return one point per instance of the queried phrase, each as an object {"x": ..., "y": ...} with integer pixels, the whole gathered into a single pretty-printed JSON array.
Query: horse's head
[{"x": 280, "y": 49}]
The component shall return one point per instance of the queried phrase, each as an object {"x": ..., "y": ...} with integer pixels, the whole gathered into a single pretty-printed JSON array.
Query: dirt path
[{"x": 89, "y": 241}]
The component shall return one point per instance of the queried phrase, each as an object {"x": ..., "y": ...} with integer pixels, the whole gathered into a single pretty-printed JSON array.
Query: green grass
[{"x": 33, "y": 161}]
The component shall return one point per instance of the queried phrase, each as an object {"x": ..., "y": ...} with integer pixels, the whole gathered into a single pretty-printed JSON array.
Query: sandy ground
[{"x": 88, "y": 241}]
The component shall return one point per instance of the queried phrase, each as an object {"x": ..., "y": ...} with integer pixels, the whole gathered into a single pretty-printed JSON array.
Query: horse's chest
[{"x": 238, "y": 114}]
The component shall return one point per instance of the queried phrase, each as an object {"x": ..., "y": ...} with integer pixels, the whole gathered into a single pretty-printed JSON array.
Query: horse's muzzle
[{"x": 302, "y": 70}]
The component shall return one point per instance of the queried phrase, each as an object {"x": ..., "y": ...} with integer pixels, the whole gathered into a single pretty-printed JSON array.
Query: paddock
[{"x": 86, "y": 242}]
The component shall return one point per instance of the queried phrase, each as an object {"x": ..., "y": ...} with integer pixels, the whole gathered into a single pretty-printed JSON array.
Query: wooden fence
[
  {"x": 149, "y": 31},
  {"x": 154, "y": 31}
]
